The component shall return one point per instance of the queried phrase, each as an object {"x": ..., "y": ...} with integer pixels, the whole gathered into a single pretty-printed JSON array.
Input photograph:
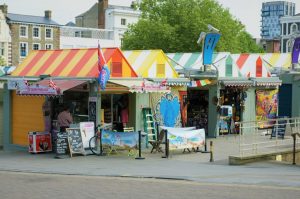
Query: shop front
[{"x": 48, "y": 80}]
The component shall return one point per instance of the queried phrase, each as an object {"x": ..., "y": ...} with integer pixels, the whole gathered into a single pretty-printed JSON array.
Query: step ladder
[{"x": 149, "y": 125}]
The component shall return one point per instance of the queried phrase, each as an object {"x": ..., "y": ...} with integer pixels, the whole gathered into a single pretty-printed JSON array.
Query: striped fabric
[
  {"x": 193, "y": 61},
  {"x": 251, "y": 65},
  {"x": 72, "y": 63},
  {"x": 279, "y": 60},
  {"x": 149, "y": 63}
]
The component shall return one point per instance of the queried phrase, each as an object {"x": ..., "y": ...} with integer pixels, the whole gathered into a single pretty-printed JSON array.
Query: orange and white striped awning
[{"x": 70, "y": 63}]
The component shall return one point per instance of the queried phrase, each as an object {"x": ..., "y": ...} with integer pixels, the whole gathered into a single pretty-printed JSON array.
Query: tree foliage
[{"x": 175, "y": 25}]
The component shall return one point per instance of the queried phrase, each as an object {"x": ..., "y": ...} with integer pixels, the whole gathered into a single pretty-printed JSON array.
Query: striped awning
[{"x": 72, "y": 63}]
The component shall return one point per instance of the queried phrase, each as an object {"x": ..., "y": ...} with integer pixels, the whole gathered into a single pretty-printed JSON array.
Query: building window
[
  {"x": 23, "y": 49},
  {"x": 49, "y": 34},
  {"x": 23, "y": 31},
  {"x": 48, "y": 46},
  {"x": 2, "y": 49},
  {"x": 36, "y": 32},
  {"x": 294, "y": 28},
  {"x": 123, "y": 21},
  {"x": 36, "y": 46}
]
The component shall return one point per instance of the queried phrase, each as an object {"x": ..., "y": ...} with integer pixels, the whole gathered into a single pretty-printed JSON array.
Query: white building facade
[
  {"x": 5, "y": 40},
  {"x": 289, "y": 26}
]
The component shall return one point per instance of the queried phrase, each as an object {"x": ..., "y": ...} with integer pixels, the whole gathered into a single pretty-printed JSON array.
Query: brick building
[{"x": 31, "y": 33}]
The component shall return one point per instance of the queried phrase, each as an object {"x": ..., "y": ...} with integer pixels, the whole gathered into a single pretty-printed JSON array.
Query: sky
[{"x": 64, "y": 11}]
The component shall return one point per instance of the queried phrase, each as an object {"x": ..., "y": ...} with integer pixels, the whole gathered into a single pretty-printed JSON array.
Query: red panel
[
  {"x": 49, "y": 61},
  {"x": 33, "y": 62},
  {"x": 85, "y": 58},
  {"x": 64, "y": 63},
  {"x": 116, "y": 69},
  {"x": 241, "y": 60},
  {"x": 108, "y": 53},
  {"x": 259, "y": 67}
]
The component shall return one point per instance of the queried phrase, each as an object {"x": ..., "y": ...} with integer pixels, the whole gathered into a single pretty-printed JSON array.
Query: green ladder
[{"x": 149, "y": 125}]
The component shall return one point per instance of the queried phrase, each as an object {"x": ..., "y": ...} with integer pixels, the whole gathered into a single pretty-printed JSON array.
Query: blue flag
[
  {"x": 210, "y": 42},
  {"x": 104, "y": 75}
]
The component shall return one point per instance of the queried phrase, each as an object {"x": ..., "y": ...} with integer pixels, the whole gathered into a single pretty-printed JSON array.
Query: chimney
[
  {"x": 4, "y": 9},
  {"x": 102, "y": 6},
  {"x": 48, "y": 14}
]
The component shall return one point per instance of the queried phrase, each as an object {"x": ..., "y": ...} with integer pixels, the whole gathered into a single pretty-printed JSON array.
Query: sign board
[
  {"x": 87, "y": 130},
  {"x": 14, "y": 84},
  {"x": 75, "y": 141},
  {"x": 119, "y": 140},
  {"x": 186, "y": 139},
  {"x": 62, "y": 144},
  {"x": 37, "y": 89}
]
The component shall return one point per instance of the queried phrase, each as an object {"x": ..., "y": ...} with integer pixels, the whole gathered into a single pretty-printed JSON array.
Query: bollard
[
  {"x": 211, "y": 151},
  {"x": 166, "y": 145},
  {"x": 294, "y": 148},
  {"x": 100, "y": 138},
  {"x": 140, "y": 147},
  {"x": 205, "y": 148}
]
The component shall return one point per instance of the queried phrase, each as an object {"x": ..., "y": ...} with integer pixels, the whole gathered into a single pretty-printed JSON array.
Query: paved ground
[
  {"x": 36, "y": 186},
  {"x": 195, "y": 166}
]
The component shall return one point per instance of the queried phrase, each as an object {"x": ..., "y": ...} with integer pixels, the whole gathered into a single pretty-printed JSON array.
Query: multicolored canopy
[
  {"x": 73, "y": 63},
  {"x": 151, "y": 63}
]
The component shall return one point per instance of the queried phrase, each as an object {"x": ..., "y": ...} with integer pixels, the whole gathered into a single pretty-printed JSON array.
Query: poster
[
  {"x": 266, "y": 106},
  {"x": 87, "y": 130},
  {"x": 186, "y": 139},
  {"x": 123, "y": 140}
]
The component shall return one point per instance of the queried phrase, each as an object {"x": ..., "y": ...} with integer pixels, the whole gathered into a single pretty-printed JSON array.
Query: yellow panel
[
  {"x": 274, "y": 58},
  {"x": 160, "y": 66},
  {"x": 25, "y": 62},
  {"x": 57, "y": 61},
  {"x": 288, "y": 61},
  {"x": 88, "y": 66},
  {"x": 126, "y": 72},
  {"x": 133, "y": 56},
  {"x": 27, "y": 116},
  {"x": 70, "y": 66},
  {"x": 147, "y": 63},
  {"x": 40, "y": 63}
]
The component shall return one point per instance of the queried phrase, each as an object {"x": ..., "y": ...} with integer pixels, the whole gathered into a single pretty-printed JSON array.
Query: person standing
[{"x": 64, "y": 119}]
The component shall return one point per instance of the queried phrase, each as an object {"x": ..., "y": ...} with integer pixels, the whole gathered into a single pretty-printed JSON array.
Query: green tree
[{"x": 175, "y": 25}]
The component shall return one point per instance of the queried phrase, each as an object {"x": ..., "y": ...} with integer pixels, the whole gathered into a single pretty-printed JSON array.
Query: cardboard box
[{"x": 39, "y": 142}]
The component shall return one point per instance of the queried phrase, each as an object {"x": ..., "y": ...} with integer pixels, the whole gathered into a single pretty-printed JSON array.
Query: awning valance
[
  {"x": 49, "y": 87},
  {"x": 271, "y": 81},
  {"x": 237, "y": 83},
  {"x": 171, "y": 81},
  {"x": 140, "y": 85}
]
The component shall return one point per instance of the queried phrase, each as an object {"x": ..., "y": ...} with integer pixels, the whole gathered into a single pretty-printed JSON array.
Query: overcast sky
[{"x": 63, "y": 11}]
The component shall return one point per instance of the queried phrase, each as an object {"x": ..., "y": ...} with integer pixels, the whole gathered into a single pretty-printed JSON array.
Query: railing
[
  {"x": 69, "y": 31},
  {"x": 266, "y": 136}
]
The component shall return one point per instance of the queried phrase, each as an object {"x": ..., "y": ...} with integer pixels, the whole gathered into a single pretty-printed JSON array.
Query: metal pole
[
  {"x": 140, "y": 148},
  {"x": 166, "y": 145},
  {"x": 294, "y": 148},
  {"x": 101, "y": 148},
  {"x": 211, "y": 151}
]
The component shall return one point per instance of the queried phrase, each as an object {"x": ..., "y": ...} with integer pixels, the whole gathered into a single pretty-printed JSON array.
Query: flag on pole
[
  {"x": 101, "y": 59},
  {"x": 52, "y": 84},
  {"x": 104, "y": 72}
]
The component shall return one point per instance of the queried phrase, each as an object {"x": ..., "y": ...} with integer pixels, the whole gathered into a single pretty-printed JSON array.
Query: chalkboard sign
[
  {"x": 62, "y": 144},
  {"x": 75, "y": 141}
]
